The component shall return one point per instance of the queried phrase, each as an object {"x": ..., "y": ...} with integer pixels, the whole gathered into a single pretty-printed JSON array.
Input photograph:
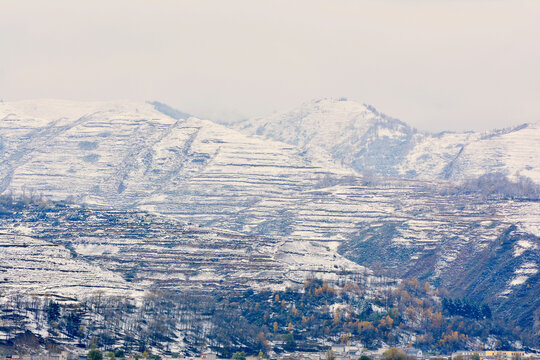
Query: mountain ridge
[
  {"x": 316, "y": 217},
  {"x": 389, "y": 147}
]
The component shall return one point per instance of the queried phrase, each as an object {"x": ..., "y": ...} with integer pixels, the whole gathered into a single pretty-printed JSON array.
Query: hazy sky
[{"x": 436, "y": 64}]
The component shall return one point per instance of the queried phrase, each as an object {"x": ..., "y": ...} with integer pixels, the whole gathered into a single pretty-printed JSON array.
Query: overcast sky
[{"x": 435, "y": 64}]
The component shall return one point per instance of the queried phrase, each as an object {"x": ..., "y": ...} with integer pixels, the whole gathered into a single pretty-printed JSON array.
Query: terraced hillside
[
  {"x": 130, "y": 155},
  {"x": 358, "y": 136},
  {"x": 73, "y": 251},
  {"x": 283, "y": 213}
]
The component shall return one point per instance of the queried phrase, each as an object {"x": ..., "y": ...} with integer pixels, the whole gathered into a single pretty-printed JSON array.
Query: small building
[
  {"x": 339, "y": 349},
  {"x": 500, "y": 355},
  {"x": 208, "y": 356},
  {"x": 466, "y": 354},
  {"x": 414, "y": 353}
]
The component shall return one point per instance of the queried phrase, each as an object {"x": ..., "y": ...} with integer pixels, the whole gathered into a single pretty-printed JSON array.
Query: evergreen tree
[
  {"x": 53, "y": 311},
  {"x": 290, "y": 343},
  {"x": 239, "y": 356}
]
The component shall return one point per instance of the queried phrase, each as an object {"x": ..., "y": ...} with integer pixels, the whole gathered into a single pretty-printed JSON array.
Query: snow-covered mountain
[
  {"x": 354, "y": 134},
  {"x": 132, "y": 156},
  {"x": 358, "y": 136},
  {"x": 286, "y": 200}
]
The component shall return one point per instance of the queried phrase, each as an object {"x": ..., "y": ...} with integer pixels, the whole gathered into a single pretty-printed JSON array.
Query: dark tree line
[
  {"x": 256, "y": 322},
  {"x": 466, "y": 309}
]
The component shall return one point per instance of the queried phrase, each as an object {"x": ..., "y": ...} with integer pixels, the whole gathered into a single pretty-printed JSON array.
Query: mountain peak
[
  {"x": 346, "y": 130},
  {"x": 358, "y": 136},
  {"x": 330, "y": 104}
]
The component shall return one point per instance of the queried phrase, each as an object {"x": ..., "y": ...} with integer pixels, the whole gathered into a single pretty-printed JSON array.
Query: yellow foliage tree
[{"x": 336, "y": 317}]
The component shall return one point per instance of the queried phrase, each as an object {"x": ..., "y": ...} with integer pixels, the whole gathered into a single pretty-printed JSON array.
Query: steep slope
[
  {"x": 358, "y": 136},
  {"x": 511, "y": 151},
  {"x": 73, "y": 251},
  {"x": 129, "y": 155},
  {"x": 353, "y": 134},
  {"x": 124, "y": 154},
  {"x": 292, "y": 208}
]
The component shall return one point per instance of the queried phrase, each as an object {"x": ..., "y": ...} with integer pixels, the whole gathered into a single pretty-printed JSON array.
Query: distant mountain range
[
  {"x": 334, "y": 189},
  {"x": 360, "y": 137}
]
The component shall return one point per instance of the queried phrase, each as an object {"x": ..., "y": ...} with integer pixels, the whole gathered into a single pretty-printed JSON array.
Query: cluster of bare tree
[
  {"x": 498, "y": 186},
  {"x": 253, "y": 322}
]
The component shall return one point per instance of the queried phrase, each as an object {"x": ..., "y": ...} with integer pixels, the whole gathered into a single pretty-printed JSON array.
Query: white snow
[
  {"x": 129, "y": 156},
  {"x": 523, "y": 245},
  {"x": 524, "y": 273}
]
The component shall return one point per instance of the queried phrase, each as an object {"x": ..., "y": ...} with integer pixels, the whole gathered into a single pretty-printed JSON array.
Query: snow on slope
[
  {"x": 354, "y": 134},
  {"x": 128, "y": 155},
  {"x": 264, "y": 213},
  {"x": 35, "y": 266},
  {"x": 430, "y": 156},
  {"x": 512, "y": 152},
  {"x": 358, "y": 136},
  {"x": 119, "y": 154}
]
